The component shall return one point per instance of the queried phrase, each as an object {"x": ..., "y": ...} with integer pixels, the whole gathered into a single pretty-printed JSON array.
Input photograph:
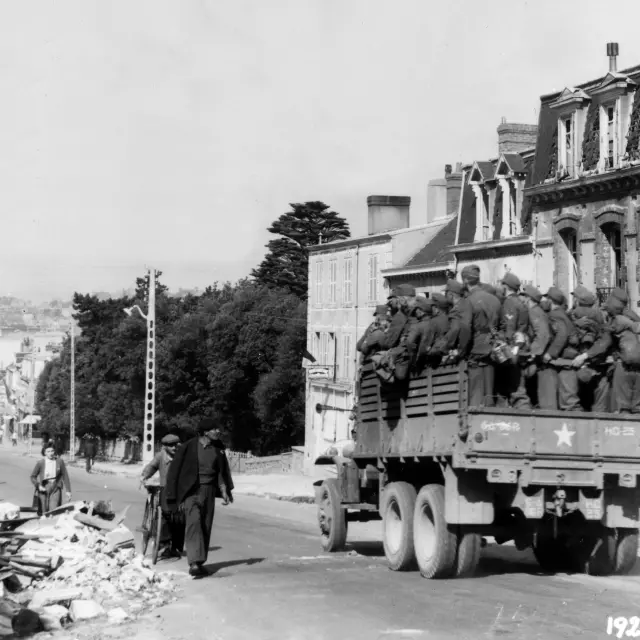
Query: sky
[{"x": 172, "y": 133}]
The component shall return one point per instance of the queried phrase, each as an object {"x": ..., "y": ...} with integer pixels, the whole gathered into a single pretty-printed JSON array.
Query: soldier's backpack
[{"x": 626, "y": 331}]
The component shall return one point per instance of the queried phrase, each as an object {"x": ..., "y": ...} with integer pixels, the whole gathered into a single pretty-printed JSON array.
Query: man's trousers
[{"x": 199, "y": 509}]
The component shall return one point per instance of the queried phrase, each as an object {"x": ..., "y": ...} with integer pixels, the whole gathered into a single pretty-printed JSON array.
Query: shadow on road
[
  {"x": 213, "y": 567},
  {"x": 370, "y": 549}
]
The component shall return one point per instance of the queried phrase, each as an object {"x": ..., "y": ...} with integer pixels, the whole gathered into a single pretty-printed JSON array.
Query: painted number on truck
[
  {"x": 619, "y": 431},
  {"x": 502, "y": 427}
]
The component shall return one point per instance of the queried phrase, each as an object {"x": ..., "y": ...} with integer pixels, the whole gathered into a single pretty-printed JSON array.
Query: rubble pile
[{"x": 77, "y": 565}]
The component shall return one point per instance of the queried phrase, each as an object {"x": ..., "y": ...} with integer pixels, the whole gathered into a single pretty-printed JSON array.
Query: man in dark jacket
[
  {"x": 401, "y": 302},
  {"x": 539, "y": 338},
  {"x": 417, "y": 331},
  {"x": 621, "y": 295},
  {"x": 198, "y": 471},
  {"x": 458, "y": 333},
  {"x": 562, "y": 330},
  {"x": 374, "y": 332},
  {"x": 482, "y": 314},
  {"x": 434, "y": 344}
]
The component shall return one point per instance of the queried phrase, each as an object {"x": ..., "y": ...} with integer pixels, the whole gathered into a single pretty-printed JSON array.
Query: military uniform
[
  {"x": 418, "y": 330},
  {"x": 434, "y": 344},
  {"x": 539, "y": 339},
  {"x": 398, "y": 326},
  {"x": 561, "y": 332},
  {"x": 594, "y": 383},
  {"x": 621, "y": 294},
  {"x": 458, "y": 333},
  {"x": 481, "y": 314},
  {"x": 514, "y": 318},
  {"x": 373, "y": 334}
]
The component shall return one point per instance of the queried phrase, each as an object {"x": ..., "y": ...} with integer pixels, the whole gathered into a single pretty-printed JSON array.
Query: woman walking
[{"x": 49, "y": 477}]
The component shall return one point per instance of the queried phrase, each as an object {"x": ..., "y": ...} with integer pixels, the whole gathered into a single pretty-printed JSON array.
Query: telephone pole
[
  {"x": 72, "y": 405},
  {"x": 148, "y": 449}
]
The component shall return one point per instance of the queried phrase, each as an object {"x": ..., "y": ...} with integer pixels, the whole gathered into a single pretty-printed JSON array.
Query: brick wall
[
  {"x": 604, "y": 277},
  {"x": 513, "y": 137},
  {"x": 561, "y": 262}
]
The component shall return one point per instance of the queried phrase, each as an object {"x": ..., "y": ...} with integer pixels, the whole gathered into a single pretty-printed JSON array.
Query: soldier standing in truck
[
  {"x": 458, "y": 333},
  {"x": 514, "y": 325},
  {"x": 481, "y": 314},
  {"x": 434, "y": 345}
]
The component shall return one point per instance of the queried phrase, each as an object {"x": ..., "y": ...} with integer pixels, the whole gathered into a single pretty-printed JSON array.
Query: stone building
[
  {"x": 586, "y": 180},
  {"x": 494, "y": 227}
]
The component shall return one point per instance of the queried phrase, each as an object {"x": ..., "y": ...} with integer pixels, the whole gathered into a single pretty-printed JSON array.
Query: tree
[{"x": 286, "y": 263}]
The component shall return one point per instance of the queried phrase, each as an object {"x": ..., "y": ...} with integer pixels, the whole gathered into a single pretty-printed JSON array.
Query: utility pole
[
  {"x": 72, "y": 407},
  {"x": 148, "y": 449},
  {"x": 32, "y": 384}
]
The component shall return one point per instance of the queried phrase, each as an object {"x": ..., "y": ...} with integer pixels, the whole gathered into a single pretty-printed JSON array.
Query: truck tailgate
[{"x": 553, "y": 434}]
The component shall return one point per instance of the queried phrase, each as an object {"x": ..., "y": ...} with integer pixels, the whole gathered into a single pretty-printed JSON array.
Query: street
[{"x": 270, "y": 579}]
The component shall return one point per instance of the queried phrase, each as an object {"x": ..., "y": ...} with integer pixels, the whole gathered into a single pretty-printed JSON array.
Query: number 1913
[{"x": 622, "y": 627}]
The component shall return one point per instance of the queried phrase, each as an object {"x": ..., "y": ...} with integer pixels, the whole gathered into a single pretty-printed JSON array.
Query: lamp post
[{"x": 148, "y": 439}]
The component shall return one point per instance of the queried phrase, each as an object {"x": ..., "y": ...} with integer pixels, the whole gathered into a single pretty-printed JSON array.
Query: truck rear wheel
[
  {"x": 397, "y": 537},
  {"x": 332, "y": 517},
  {"x": 626, "y": 551},
  {"x": 469, "y": 551},
  {"x": 435, "y": 544}
]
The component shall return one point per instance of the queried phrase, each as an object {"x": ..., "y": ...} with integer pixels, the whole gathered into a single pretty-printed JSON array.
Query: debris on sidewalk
[{"x": 78, "y": 563}]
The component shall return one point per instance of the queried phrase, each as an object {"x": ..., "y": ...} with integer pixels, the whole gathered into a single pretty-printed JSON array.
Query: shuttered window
[
  {"x": 333, "y": 280},
  {"x": 373, "y": 278},
  {"x": 319, "y": 274},
  {"x": 346, "y": 356},
  {"x": 347, "y": 288}
]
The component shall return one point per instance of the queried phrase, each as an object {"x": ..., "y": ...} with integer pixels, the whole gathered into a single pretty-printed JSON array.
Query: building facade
[
  {"x": 586, "y": 182},
  {"x": 346, "y": 282}
]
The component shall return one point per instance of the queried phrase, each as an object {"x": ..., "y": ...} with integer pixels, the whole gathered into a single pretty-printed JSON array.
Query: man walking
[
  {"x": 195, "y": 475},
  {"x": 174, "y": 520}
]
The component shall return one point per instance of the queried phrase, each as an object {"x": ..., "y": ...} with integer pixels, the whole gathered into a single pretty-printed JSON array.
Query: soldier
[
  {"x": 418, "y": 330},
  {"x": 374, "y": 331},
  {"x": 401, "y": 303},
  {"x": 489, "y": 288},
  {"x": 593, "y": 380},
  {"x": 621, "y": 294},
  {"x": 458, "y": 333},
  {"x": 514, "y": 325},
  {"x": 481, "y": 314},
  {"x": 561, "y": 331},
  {"x": 625, "y": 384},
  {"x": 434, "y": 344},
  {"x": 539, "y": 338}
]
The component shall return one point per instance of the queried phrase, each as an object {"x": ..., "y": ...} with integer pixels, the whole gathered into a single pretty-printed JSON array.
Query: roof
[
  {"x": 515, "y": 162},
  {"x": 437, "y": 249},
  {"x": 486, "y": 169}
]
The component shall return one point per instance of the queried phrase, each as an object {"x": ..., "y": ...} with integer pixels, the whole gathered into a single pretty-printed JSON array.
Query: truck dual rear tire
[
  {"x": 397, "y": 518},
  {"x": 435, "y": 543},
  {"x": 332, "y": 518},
  {"x": 468, "y": 554}
]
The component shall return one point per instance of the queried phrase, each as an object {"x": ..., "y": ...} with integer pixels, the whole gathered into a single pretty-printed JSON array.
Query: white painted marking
[{"x": 564, "y": 435}]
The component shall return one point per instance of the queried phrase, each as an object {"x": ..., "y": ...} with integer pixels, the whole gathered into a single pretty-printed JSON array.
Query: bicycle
[{"x": 152, "y": 522}]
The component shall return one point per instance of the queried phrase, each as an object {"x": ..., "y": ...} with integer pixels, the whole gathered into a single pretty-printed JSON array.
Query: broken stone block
[
  {"x": 117, "y": 615},
  {"x": 120, "y": 538},
  {"x": 55, "y": 596},
  {"x": 85, "y": 610},
  {"x": 53, "y": 617}
]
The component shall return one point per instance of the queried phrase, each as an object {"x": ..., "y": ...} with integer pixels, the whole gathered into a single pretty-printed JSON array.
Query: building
[
  {"x": 586, "y": 180},
  {"x": 494, "y": 226},
  {"x": 346, "y": 282}
]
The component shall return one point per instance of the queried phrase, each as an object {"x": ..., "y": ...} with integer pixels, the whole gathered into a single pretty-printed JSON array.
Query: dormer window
[
  {"x": 570, "y": 106},
  {"x": 610, "y": 139}
]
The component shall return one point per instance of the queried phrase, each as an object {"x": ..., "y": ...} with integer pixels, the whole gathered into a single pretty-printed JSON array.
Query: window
[
  {"x": 315, "y": 347},
  {"x": 324, "y": 349},
  {"x": 568, "y": 146},
  {"x": 333, "y": 279},
  {"x": 319, "y": 275},
  {"x": 610, "y": 136},
  {"x": 348, "y": 281},
  {"x": 570, "y": 240},
  {"x": 346, "y": 356},
  {"x": 613, "y": 243},
  {"x": 373, "y": 279}
]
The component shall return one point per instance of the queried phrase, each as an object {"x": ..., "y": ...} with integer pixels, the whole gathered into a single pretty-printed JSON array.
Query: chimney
[
  {"x": 388, "y": 213},
  {"x": 612, "y": 52},
  {"x": 443, "y": 194},
  {"x": 514, "y": 137}
]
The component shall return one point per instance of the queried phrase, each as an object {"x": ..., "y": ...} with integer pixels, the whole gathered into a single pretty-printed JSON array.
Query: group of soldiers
[{"x": 523, "y": 349}]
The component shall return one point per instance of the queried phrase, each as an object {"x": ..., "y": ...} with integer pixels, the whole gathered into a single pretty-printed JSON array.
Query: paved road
[{"x": 270, "y": 580}]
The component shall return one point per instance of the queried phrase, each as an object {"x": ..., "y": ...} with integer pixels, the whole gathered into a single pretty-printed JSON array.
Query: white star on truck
[{"x": 564, "y": 435}]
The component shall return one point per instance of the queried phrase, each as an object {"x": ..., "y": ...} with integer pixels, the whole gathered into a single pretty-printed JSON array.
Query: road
[{"x": 270, "y": 580}]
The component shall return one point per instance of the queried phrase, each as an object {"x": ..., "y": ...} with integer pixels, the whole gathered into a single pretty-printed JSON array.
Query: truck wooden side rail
[{"x": 442, "y": 475}]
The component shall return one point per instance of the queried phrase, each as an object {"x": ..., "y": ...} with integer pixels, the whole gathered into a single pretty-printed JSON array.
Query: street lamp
[{"x": 148, "y": 440}]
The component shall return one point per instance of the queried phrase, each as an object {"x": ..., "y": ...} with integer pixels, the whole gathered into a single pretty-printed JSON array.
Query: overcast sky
[{"x": 173, "y": 133}]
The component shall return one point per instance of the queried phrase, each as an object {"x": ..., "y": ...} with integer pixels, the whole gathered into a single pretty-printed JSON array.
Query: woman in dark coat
[{"x": 49, "y": 477}]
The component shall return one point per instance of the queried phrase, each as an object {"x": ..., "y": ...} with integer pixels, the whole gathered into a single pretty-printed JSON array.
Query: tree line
[{"x": 234, "y": 352}]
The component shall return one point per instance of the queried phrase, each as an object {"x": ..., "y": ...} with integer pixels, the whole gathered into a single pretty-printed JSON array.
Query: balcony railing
[{"x": 603, "y": 293}]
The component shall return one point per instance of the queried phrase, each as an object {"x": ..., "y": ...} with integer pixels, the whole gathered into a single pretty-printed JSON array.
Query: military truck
[{"x": 443, "y": 475}]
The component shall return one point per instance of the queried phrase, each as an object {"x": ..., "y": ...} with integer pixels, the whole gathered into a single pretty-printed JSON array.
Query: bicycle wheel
[
  {"x": 156, "y": 531},
  {"x": 146, "y": 525}
]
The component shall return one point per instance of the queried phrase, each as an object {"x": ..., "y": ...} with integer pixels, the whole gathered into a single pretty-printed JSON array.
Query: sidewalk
[{"x": 290, "y": 487}]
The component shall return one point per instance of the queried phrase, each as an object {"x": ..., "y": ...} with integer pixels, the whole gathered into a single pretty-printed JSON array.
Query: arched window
[
  {"x": 613, "y": 247},
  {"x": 570, "y": 247}
]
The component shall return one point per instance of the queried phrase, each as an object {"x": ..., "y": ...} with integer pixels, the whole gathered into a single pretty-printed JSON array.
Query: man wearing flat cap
[
  {"x": 482, "y": 314},
  {"x": 514, "y": 326},
  {"x": 196, "y": 475},
  {"x": 562, "y": 330},
  {"x": 173, "y": 523}
]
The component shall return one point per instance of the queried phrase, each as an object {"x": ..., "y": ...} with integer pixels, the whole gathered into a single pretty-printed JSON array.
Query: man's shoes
[{"x": 197, "y": 571}]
